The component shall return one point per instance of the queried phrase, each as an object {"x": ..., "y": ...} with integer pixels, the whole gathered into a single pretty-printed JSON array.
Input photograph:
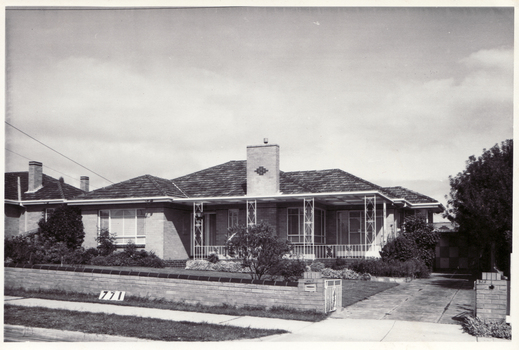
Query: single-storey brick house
[
  {"x": 325, "y": 213},
  {"x": 31, "y": 195}
]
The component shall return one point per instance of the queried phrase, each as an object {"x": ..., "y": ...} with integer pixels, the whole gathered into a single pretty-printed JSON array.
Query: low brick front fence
[{"x": 306, "y": 294}]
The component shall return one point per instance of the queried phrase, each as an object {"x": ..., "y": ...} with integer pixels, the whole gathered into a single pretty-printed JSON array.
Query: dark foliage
[
  {"x": 130, "y": 256},
  {"x": 481, "y": 204},
  {"x": 105, "y": 243},
  {"x": 418, "y": 242},
  {"x": 65, "y": 225},
  {"x": 412, "y": 268},
  {"x": 290, "y": 269}
]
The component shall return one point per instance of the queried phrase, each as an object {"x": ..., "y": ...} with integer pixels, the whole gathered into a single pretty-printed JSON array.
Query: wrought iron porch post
[
  {"x": 198, "y": 230},
  {"x": 308, "y": 239},
  {"x": 370, "y": 222},
  {"x": 251, "y": 212}
]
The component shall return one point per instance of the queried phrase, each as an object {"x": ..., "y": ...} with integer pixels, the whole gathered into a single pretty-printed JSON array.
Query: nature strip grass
[{"x": 128, "y": 326}]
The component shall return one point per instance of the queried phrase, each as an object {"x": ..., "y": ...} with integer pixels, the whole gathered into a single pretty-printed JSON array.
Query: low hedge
[
  {"x": 377, "y": 267},
  {"x": 485, "y": 328}
]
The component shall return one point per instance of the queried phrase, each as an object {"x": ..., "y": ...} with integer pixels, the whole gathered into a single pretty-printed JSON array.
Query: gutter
[{"x": 131, "y": 200}]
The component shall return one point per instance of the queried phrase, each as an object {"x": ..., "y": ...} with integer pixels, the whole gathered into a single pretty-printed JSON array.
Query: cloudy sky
[{"x": 397, "y": 96}]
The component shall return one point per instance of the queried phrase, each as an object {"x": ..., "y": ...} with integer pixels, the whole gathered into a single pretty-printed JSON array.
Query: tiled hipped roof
[
  {"x": 51, "y": 188},
  {"x": 142, "y": 186},
  {"x": 224, "y": 180}
]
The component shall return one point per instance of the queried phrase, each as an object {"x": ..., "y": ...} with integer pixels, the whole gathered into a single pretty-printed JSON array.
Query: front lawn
[{"x": 128, "y": 326}]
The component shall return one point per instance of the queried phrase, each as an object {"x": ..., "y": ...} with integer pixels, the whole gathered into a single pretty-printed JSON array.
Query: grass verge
[
  {"x": 276, "y": 312},
  {"x": 127, "y": 326}
]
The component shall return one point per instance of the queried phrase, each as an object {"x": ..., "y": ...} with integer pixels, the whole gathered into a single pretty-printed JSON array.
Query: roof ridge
[
  {"x": 174, "y": 184},
  {"x": 154, "y": 182},
  {"x": 61, "y": 190}
]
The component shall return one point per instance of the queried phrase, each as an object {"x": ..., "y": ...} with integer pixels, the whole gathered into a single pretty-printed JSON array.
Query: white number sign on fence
[{"x": 108, "y": 295}]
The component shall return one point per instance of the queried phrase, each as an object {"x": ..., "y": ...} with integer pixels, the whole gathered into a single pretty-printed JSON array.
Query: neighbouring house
[
  {"x": 453, "y": 252},
  {"x": 324, "y": 213},
  {"x": 32, "y": 195}
]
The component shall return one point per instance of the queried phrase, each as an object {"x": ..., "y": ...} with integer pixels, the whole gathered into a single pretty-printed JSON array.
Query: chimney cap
[
  {"x": 84, "y": 178},
  {"x": 33, "y": 162},
  {"x": 265, "y": 140}
]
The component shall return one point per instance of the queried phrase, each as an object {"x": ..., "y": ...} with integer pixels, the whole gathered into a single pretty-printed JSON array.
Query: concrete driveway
[{"x": 443, "y": 298}]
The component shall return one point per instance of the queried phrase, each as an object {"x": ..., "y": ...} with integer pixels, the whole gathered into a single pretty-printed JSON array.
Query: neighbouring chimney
[
  {"x": 84, "y": 183},
  {"x": 35, "y": 175},
  {"x": 262, "y": 170}
]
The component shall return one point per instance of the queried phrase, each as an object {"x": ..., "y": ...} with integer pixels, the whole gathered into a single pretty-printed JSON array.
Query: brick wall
[
  {"x": 492, "y": 298},
  {"x": 190, "y": 289}
]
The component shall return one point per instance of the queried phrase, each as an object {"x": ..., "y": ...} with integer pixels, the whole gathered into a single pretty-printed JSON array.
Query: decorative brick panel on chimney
[
  {"x": 84, "y": 184},
  {"x": 262, "y": 170},
  {"x": 35, "y": 175}
]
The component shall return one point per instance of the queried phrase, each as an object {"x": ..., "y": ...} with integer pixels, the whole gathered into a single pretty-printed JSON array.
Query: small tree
[
  {"x": 65, "y": 225},
  {"x": 258, "y": 248},
  {"x": 106, "y": 243}
]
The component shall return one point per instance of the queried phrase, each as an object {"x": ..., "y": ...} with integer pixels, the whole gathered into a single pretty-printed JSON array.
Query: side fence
[{"x": 314, "y": 294}]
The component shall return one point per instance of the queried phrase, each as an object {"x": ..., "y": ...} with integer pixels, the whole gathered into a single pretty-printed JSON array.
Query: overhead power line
[
  {"x": 61, "y": 154},
  {"x": 48, "y": 167}
]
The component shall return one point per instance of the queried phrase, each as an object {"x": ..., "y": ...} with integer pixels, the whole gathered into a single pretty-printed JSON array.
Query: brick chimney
[
  {"x": 262, "y": 170},
  {"x": 85, "y": 182},
  {"x": 35, "y": 175}
]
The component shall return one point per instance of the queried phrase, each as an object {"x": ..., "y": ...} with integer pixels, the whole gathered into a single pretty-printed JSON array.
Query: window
[
  {"x": 233, "y": 217},
  {"x": 296, "y": 225},
  {"x": 48, "y": 213},
  {"x": 127, "y": 224}
]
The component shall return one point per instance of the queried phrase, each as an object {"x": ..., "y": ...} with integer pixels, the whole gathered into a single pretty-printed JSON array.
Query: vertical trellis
[
  {"x": 251, "y": 213},
  {"x": 198, "y": 230},
  {"x": 308, "y": 239},
  {"x": 384, "y": 224},
  {"x": 370, "y": 221}
]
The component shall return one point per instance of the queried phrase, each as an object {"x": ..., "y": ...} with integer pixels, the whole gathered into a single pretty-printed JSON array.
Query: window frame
[
  {"x": 232, "y": 217},
  {"x": 301, "y": 228},
  {"x": 139, "y": 223}
]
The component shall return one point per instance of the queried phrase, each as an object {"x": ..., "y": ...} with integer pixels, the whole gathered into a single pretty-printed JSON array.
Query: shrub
[
  {"x": 400, "y": 248},
  {"x": 106, "y": 243},
  {"x": 377, "y": 267},
  {"x": 290, "y": 269},
  {"x": 23, "y": 249},
  {"x": 65, "y": 225},
  {"x": 317, "y": 266},
  {"x": 213, "y": 258},
  {"x": 258, "y": 248},
  {"x": 130, "y": 256},
  {"x": 486, "y": 328},
  {"x": 339, "y": 264}
]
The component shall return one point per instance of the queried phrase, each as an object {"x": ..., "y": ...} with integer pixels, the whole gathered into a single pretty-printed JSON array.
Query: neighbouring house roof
[
  {"x": 411, "y": 196},
  {"x": 142, "y": 186},
  {"x": 445, "y": 226},
  {"x": 51, "y": 188}
]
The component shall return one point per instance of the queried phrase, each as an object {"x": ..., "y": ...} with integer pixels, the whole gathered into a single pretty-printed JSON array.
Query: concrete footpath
[{"x": 330, "y": 330}]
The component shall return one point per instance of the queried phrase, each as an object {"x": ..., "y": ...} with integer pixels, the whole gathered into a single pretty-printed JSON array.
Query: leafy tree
[
  {"x": 481, "y": 204},
  {"x": 65, "y": 225},
  {"x": 258, "y": 248}
]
